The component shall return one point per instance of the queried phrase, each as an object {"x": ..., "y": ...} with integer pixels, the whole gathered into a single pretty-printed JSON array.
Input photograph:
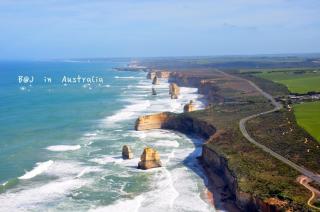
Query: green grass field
[
  {"x": 297, "y": 82},
  {"x": 308, "y": 117}
]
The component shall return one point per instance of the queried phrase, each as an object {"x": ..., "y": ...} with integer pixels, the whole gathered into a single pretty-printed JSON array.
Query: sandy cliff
[
  {"x": 215, "y": 164},
  {"x": 174, "y": 90},
  {"x": 158, "y": 73},
  {"x": 189, "y": 107},
  {"x": 149, "y": 159},
  {"x": 172, "y": 121}
]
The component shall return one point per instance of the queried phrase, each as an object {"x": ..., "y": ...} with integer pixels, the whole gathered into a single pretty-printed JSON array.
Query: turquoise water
[{"x": 60, "y": 146}]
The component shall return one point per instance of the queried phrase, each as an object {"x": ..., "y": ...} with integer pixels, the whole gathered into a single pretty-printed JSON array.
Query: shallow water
[{"x": 61, "y": 145}]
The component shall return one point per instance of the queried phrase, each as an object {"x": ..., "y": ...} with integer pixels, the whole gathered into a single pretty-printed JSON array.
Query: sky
[{"x": 51, "y": 29}]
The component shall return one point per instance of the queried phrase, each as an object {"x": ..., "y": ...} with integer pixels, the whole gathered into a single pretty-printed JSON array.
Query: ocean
[{"x": 62, "y": 128}]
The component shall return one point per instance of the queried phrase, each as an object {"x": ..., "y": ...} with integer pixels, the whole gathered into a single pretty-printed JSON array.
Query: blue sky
[{"x": 39, "y": 29}]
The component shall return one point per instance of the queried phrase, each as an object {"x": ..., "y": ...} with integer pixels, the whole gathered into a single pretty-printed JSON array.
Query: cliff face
[
  {"x": 212, "y": 161},
  {"x": 156, "y": 121},
  {"x": 218, "y": 164},
  {"x": 167, "y": 120},
  {"x": 209, "y": 89},
  {"x": 184, "y": 80},
  {"x": 159, "y": 74},
  {"x": 205, "y": 87}
]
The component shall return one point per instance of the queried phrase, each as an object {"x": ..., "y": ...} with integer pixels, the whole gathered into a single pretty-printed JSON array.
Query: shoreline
[
  {"x": 225, "y": 182},
  {"x": 214, "y": 185}
]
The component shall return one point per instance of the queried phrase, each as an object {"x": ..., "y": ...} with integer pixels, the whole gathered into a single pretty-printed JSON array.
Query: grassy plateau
[
  {"x": 297, "y": 81},
  {"x": 308, "y": 117}
]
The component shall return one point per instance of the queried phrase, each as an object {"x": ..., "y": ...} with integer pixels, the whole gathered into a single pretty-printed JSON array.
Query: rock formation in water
[
  {"x": 154, "y": 92},
  {"x": 151, "y": 75},
  {"x": 127, "y": 152},
  {"x": 174, "y": 90},
  {"x": 149, "y": 159},
  {"x": 189, "y": 107},
  {"x": 155, "y": 81}
]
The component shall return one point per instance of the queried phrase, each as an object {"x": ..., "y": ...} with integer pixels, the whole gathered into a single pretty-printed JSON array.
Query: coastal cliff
[
  {"x": 249, "y": 180},
  {"x": 178, "y": 122},
  {"x": 159, "y": 74},
  {"x": 214, "y": 163}
]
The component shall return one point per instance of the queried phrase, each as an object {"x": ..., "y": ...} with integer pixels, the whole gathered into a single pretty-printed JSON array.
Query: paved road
[{"x": 277, "y": 106}]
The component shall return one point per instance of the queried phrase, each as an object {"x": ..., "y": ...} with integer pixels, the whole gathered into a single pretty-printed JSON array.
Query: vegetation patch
[
  {"x": 280, "y": 132},
  {"x": 308, "y": 117},
  {"x": 297, "y": 81}
]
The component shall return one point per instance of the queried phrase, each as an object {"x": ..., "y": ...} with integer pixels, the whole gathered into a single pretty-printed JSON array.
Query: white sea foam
[
  {"x": 38, "y": 169},
  {"x": 87, "y": 170},
  {"x": 129, "y": 111},
  {"x": 90, "y": 134},
  {"x": 115, "y": 159},
  {"x": 129, "y": 77},
  {"x": 131, "y": 205},
  {"x": 167, "y": 143},
  {"x": 107, "y": 159},
  {"x": 64, "y": 169},
  {"x": 35, "y": 198},
  {"x": 63, "y": 148}
]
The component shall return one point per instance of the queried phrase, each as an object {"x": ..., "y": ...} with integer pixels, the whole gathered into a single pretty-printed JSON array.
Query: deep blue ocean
[{"x": 60, "y": 142}]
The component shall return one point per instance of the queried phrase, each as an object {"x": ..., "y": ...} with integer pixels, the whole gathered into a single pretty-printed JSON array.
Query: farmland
[
  {"x": 308, "y": 116},
  {"x": 297, "y": 81}
]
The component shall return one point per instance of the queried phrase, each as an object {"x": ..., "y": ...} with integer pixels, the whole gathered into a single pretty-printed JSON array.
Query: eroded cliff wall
[
  {"x": 212, "y": 161},
  {"x": 178, "y": 122}
]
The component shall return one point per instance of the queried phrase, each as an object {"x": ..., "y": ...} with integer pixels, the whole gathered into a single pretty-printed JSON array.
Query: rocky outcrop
[
  {"x": 159, "y": 74},
  {"x": 214, "y": 163},
  {"x": 148, "y": 122},
  {"x": 178, "y": 122},
  {"x": 149, "y": 159},
  {"x": 189, "y": 107},
  {"x": 174, "y": 90},
  {"x": 151, "y": 75},
  {"x": 217, "y": 165},
  {"x": 154, "y": 92},
  {"x": 163, "y": 74},
  {"x": 207, "y": 87},
  {"x": 155, "y": 81},
  {"x": 210, "y": 90},
  {"x": 127, "y": 152}
]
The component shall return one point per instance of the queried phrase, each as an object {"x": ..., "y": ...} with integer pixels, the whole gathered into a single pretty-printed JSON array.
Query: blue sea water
[{"x": 60, "y": 143}]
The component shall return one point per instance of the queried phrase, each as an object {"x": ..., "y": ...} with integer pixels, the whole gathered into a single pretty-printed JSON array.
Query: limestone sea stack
[
  {"x": 154, "y": 92},
  {"x": 151, "y": 75},
  {"x": 174, "y": 90},
  {"x": 127, "y": 152},
  {"x": 155, "y": 81},
  {"x": 189, "y": 107},
  {"x": 149, "y": 159}
]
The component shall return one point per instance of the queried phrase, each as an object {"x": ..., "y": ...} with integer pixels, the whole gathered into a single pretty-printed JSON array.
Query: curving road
[
  {"x": 277, "y": 106},
  {"x": 314, "y": 192}
]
